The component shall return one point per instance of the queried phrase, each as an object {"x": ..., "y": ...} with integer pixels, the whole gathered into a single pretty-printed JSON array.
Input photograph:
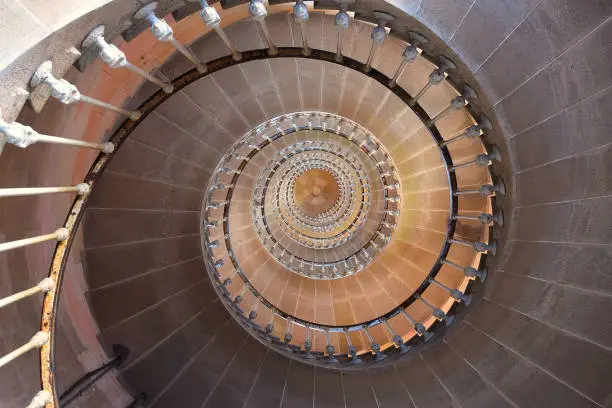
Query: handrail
[{"x": 120, "y": 354}]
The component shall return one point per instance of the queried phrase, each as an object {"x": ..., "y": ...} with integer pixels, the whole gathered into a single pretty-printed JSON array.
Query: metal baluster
[
  {"x": 469, "y": 271},
  {"x": 37, "y": 341},
  {"x": 329, "y": 348},
  {"x": 472, "y": 131},
  {"x": 253, "y": 312},
  {"x": 43, "y": 286},
  {"x": 378, "y": 36},
  {"x": 397, "y": 339},
  {"x": 81, "y": 189},
  {"x": 393, "y": 213},
  {"x": 342, "y": 21},
  {"x": 498, "y": 188},
  {"x": 210, "y": 224},
  {"x": 211, "y": 19},
  {"x": 352, "y": 350},
  {"x": 23, "y": 136},
  {"x": 218, "y": 264},
  {"x": 394, "y": 186},
  {"x": 270, "y": 326},
  {"x": 68, "y": 94},
  {"x": 386, "y": 238},
  {"x": 237, "y": 156},
  {"x": 61, "y": 234},
  {"x": 374, "y": 346},
  {"x": 437, "y": 312},
  {"x": 478, "y": 246},
  {"x": 163, "y": 32},
  {"x": 436, "y": 76},
  {"x": 419, "y": 328},
  {"x": 214, "y": 244},
  {"x": 288, "y": 336},
  {"x": 493, "y": 155},
  {"x": 240, "y": 297},
  {"x": 115, "y": 58},
  {"x": 300, "y": 12},
  {"x": 216, "y": 206},
  {"x": 456, "y": 103},
  {"x": 454, "y": 293},
  {"x": 229, "y": 280},
  {"x": 220, "y": 186},
  {"x": 307, "y": 341},
  {"x": 41, "y": 399},
  {"x": 496, "y": 218},
  {"x": 409, "y": 55},
  {"x": 258, "y": 12},
  {"x": 228, "y": 170},
  {"x": 251, "y": 144}
]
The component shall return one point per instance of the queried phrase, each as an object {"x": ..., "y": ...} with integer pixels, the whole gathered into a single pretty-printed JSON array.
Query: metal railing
[{"x": 23, "y": 136}]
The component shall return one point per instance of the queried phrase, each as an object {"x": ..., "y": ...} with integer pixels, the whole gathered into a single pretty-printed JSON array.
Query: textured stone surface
[
  {"x": 585, "y": 222},
  {"x": 549, "y": 30},
  {"x": 576, "y": 129},
  {"x": 233, "y": 388},
  {"x": 444, "y": 16},
  {"x": 497, "y": 18},
  {"x": 557, "y": 263},
  {"x": 527, "y": 385},
  {"x": 578, "y": 73},
  {"x": 572, "y": 360},
  {"x": 328, "y": 389},
  {"x": 358, "y": 390},
  {"x": 464, "y": 383},
  {"x": 389, "y": 389},
  {"x": 570, "y": 310},
  {"x": 424, "y": 387},
  {"x": 268, "y": 387},
  {"x": 14, "y": 16}
]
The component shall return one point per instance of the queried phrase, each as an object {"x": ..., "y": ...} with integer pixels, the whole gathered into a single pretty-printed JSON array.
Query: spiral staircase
[{"x": 330, "y": 204}]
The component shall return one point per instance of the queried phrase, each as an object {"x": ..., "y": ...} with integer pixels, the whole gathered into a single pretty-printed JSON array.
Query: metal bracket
[{"x": 60, "y": 64}]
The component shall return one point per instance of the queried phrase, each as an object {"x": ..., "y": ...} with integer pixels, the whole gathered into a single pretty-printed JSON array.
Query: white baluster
[
  {"x": 115, "y": 58},
  {"x": 23, "y": 136}
]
